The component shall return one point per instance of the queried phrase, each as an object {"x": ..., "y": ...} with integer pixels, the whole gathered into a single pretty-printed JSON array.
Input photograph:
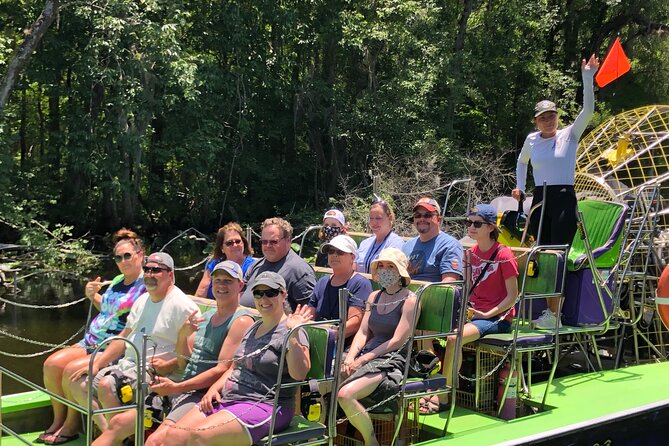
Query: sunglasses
[
  {"x": 154, "y": 270},
  {"x": 258, "y": 294},
  {"x": 119, "y": 258},
  {"x": 234, "y": 242},
  {"x": 333, "y": 251},
  {"x": 270, "y": 242},
  {"x": 418, "y": 215},
  {"x": 477, "y": 224}
]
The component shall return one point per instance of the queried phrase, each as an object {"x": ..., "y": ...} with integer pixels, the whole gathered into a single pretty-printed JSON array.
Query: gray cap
[
  {"x": 270, "y": 279},
  {"x": 543, "y": 107},
  {"x": 161, "y": 258},
  {"x": 231, "y": 268}
]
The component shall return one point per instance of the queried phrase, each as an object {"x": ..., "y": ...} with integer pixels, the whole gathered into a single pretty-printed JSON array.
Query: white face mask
[{"x": 387, "y": 277}]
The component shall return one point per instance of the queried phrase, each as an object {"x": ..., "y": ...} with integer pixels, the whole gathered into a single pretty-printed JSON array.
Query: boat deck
[{"x": 576, "y": 402}]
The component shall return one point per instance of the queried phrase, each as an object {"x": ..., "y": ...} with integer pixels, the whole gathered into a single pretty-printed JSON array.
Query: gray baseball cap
[
  {"x": 161, "y": 258},
  {"x": 270, "y": 279},
  {"x": 543, "y": 107}
]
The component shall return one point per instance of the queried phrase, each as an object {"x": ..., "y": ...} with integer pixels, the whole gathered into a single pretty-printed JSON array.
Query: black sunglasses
[
  {"x": 477, "y": 224},
  {"x": 154, "y": 270},
  {"x": 258, "y": 294},
  {"x": 126, "y": 256}
]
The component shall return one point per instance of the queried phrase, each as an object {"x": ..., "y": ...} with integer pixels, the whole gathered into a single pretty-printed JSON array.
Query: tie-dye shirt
[{"x": 114, "y": 309}]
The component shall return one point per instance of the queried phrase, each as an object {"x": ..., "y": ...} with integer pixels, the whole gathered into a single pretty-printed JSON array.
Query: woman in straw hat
[{"x": 375, "y": 363}]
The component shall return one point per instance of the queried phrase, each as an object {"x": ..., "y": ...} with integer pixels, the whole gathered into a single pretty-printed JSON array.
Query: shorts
[
  {"x": 183, "y": 403},
  {"x": 491, "y": 326},
  {"x": 89, "y": 348},
  {"x": 113, "y": 374},
  {"x": 255, "y": 417}
]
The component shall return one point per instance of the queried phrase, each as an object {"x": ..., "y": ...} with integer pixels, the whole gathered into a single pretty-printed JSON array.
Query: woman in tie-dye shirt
[{"x": 113, "y": 306}]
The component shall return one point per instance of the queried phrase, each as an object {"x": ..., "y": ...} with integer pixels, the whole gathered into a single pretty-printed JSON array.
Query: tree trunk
[{"x": 22, "y": 56}]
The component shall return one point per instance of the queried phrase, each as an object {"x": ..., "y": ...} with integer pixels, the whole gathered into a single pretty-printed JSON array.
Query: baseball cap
[
  {"x": 336, "y": 214},
  {"x": 342, "y": 243},
  {"x": 543, "y": 107},
  {"x": 270, "y": 279},
  {"x": 428, "y": 203},
  {"x": 231, "y": 268},
  {"x": 161, "y": 258},
  {"x": 486, "y": 212}
]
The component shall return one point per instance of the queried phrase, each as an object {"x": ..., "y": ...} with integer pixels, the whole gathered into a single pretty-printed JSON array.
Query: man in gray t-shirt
[{"x": 280, "y": 258}]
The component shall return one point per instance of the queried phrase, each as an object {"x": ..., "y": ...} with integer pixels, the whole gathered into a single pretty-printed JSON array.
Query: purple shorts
[{"x": 255, "y": 417}]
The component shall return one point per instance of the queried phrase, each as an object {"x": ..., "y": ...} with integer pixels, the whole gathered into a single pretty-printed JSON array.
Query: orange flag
[{"x": 615, "y": 65}]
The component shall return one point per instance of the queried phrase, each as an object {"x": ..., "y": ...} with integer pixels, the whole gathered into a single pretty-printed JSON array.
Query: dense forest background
[{"x": 167, "y": 114}]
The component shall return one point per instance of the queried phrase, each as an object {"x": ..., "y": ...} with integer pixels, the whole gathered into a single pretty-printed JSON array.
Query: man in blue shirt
[{"x": 434, "y": 256}]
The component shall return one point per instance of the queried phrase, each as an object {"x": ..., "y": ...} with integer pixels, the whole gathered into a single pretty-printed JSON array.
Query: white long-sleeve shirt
[{"x": 554, "y": 159}]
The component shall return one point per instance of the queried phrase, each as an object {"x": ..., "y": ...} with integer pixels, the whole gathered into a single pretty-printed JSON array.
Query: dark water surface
[{"x": 50, "y": 325}]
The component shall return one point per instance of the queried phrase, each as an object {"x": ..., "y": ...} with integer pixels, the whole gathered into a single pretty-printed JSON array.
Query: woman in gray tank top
[{"x": 374, "y": 366}]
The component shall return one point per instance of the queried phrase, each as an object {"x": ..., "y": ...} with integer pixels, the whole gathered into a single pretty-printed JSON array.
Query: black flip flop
[
  {"x": 42, "y": 437},
  {"x": 62, "y": 439}
]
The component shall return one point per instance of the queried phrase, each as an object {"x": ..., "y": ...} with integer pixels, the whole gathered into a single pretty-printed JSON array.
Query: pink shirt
[{"x": 491, "y": 289}]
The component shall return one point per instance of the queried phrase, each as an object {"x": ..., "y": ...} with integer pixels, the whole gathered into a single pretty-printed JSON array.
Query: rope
[
  {"x": 186, "y": 268},
  {"x": 487, "y": 375},
  {"x": 46, "y": 307},
  {"x": 33, "y": 355}
]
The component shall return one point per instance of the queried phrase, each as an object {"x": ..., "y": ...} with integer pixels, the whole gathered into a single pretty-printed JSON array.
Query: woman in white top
[
  {"x": 552, "y": 152},
  {"x": 381, "y": 219}
]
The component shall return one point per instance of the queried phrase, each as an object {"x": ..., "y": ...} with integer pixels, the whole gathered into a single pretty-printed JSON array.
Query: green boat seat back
[
  {"x": 437, "y": 306},
  {"x": 321, "y": 351},
  {"x": 548, "y": 273},
  {"x": 604, "y": 222}
]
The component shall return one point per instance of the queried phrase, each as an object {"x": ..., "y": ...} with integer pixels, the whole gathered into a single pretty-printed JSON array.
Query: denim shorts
[{"x": 491, "y": 326}]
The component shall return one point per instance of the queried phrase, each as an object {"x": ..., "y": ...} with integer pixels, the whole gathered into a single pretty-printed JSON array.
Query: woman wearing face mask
[
  {"x": 374, "y": 365},
  {"x": 381, "y": 219},
  {"x": 334, "y": 224}
]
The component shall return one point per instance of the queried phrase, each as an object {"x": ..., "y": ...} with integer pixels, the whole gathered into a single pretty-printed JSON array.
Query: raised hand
[
  {"x": 301, "y": 315},
  {"x": 93, "y": 287},
  {"x": 192, "y": 323},
  {"x": 590, "y": 65}
]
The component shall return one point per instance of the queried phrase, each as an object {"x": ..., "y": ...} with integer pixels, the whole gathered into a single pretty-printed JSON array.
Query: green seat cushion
[{"x": 604, "y": 222}]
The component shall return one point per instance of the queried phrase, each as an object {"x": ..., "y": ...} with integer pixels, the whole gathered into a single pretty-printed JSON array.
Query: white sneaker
[{"x": 546, "y": 321}]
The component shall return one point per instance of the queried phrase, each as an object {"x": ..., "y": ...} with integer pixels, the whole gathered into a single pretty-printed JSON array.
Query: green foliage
[{"x": 160, "y": 115}]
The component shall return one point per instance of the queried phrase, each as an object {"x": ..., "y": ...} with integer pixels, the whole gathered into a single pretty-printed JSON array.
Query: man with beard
[
  {"x": 434, "y": 256},
  {"x": 159, "y": 313}
]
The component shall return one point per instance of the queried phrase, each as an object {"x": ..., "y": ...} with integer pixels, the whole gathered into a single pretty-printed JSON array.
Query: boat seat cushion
[{"x": 604, "y": 222}]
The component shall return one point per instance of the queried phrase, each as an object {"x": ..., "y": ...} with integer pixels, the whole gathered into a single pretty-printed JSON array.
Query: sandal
[
  {"x": 43, "y": 436},
  {"x": 61, "y": 439}
]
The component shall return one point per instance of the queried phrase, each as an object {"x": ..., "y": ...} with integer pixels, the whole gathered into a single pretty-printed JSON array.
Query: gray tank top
[{"x": 382, "y": 326}]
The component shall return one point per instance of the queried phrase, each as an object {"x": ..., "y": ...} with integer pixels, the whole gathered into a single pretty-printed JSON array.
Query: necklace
[{"x": 392, "y": 294}]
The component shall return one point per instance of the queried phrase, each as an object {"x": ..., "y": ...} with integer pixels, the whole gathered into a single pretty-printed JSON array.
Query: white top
[
  {"x": 160, "y": 320},
  {"x": 554, "y": 159}
]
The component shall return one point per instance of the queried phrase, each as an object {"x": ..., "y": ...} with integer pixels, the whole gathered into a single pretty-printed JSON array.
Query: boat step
[{"x": 24, "y": 401}]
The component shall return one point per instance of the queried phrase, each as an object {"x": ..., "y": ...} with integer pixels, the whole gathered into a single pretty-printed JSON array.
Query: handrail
[
  {"x": 139, "y": 391},
  {"x": 282, "y": 360},
  {"x": 88, "y": 411},
  {"x": 304, "y": 236}
]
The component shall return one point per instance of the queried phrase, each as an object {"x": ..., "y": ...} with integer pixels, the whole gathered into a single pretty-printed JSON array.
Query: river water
[{"x": 52, "y": 326}]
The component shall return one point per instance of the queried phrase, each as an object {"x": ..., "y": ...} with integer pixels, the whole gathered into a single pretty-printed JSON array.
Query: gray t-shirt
[
  {"x": 252, "y": 378},
  {"x": 298, "y": 274}
]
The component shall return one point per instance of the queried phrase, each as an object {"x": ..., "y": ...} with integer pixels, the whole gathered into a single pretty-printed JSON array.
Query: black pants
[{"x": 559, "y": 225}]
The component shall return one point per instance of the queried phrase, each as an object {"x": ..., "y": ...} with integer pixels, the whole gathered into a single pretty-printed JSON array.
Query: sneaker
[{"x": 546, "y": 321}]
